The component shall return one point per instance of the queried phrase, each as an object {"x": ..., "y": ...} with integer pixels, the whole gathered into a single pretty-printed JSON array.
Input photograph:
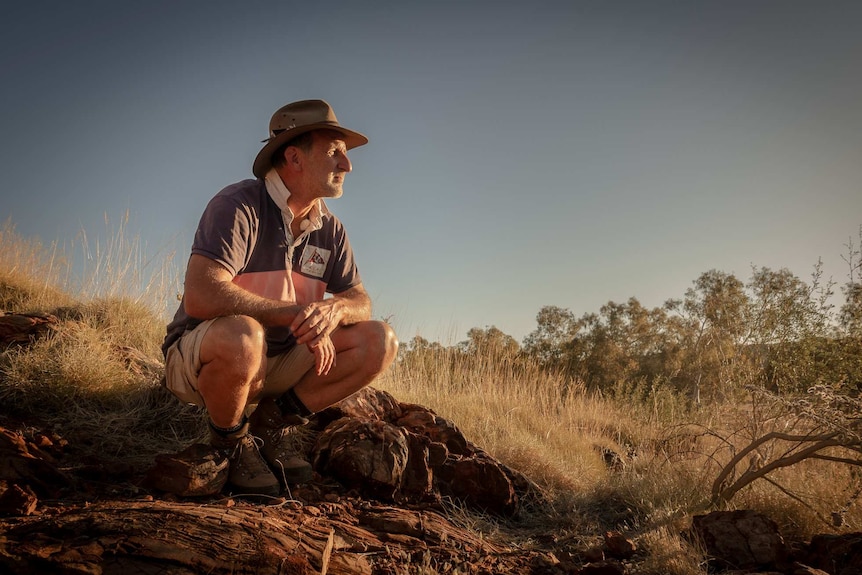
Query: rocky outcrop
[
  {"x": 406, "y": 453},
  {"x": 745, "y": 541},
  {"x": 740, "y": 539},
  {"x": 378, "y": 448},
  {"x": 383, "y": 469},
  {"x": 53, "y": 521},
  {"x": 25, "y": 327}
]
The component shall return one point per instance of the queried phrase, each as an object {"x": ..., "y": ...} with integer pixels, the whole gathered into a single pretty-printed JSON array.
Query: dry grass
[
  {"x": 669, "y": 455},
  {"x": 95, "y": 380},
  {"x": 561, "y": 440},
  {"x": 642, "y": 465},
  {"x": 667, "y": 553},
  {"x": 30, "y": 273}
]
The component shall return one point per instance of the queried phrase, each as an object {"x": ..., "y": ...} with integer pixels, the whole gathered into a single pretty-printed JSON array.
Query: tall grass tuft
[
  {"x": 31, "y": 274},
  {"x": 119, "y": 266},
  {"x": 94, "y": 380}
]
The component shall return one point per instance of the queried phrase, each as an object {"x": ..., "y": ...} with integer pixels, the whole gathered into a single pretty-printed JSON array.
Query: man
[{"x": 254, "y": 327}]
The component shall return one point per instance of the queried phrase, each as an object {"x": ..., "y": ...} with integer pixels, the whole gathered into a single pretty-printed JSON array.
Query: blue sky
[{"x": 521, "y": 154}]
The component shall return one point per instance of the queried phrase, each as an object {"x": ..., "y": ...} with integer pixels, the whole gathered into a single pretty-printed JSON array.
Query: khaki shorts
[{"x": 183, "y": 364}]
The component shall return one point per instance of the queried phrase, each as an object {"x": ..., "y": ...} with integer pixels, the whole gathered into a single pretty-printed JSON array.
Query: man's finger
[{"x": 303, "y": 316}]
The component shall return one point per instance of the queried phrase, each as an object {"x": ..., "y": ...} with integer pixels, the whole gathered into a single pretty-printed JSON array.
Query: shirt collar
[{"x": 279, "y": 194}]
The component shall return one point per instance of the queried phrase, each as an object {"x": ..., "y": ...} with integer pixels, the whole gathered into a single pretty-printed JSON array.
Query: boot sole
[{"x": 251, "y": 492}]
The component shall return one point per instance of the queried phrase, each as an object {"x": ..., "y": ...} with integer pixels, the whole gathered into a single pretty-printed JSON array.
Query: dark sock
[
  {"x": 226, "y": 431},
  {"x": 290, "y": 404}
]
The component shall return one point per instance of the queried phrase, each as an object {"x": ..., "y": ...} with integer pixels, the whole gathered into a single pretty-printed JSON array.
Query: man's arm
[
  {"x": 210, "y": 293},
  {"x": 321, "y": 318}
]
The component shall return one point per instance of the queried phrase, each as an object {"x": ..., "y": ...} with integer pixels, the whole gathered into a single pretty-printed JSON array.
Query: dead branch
[
  {"x": 723, "y": 494},
  {"x": 728, "y": 469},
  {"x": 856, "y": 462}
]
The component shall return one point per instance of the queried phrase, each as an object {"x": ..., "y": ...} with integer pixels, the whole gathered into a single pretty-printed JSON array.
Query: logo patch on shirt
[{"x": 314, "y": 260}]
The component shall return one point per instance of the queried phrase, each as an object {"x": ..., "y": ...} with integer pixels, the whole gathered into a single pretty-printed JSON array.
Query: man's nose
[{"x": 344, "y": 163}]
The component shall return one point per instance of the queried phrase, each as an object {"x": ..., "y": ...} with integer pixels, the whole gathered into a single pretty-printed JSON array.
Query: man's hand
[
  {"x": 316, "y": 321},
  {"x": 324, "y": 355}
]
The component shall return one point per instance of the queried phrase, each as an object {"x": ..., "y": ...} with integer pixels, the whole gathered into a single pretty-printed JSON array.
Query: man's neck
[{"x": 300, "y": 209}]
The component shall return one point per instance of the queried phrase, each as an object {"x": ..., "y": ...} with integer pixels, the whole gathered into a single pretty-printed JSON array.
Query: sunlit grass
[
  {"x": 96, "y": 377},
  {"x": 641, "y": 459}
]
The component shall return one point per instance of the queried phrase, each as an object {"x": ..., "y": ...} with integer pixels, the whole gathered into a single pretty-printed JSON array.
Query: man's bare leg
[
  {"x": 233, "y": 365},
  {"x": 363, "y": 351}
]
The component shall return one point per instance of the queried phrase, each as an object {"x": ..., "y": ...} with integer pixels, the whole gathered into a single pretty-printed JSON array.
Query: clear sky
[{"x": 521, "y": 154}]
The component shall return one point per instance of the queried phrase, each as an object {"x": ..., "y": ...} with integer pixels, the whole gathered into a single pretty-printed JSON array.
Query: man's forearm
[
  {"x": 267, "y": 311},
  {"x": 221, "y": 299},
  {"x": 210, "y": 293},
  {"x": 356, "y": 306}
]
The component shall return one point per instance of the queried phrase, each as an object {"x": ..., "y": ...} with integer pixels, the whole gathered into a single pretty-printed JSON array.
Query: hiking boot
[
  {"x": 248, "y": 472},
  {"x": 280, "y": 444}
]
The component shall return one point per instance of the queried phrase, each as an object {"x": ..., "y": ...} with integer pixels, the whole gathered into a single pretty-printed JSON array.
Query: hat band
[{"x": 294, "y": 126}]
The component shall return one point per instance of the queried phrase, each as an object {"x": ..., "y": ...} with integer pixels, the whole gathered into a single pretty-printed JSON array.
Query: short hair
[{"x": 303, "y": 141}]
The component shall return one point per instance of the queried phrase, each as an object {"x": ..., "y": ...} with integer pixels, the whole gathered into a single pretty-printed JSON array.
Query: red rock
[
  {"x": 16, "y": 499},
  {"x": 836, "y": 553},
  {"x": 196, "y": 471},
  {"x": 25, "y": 464},
  {"x": 424, "y": 422},
  {"x": 25, "y": 328},
  {"x": 741, "y": 539},
  {"x": 618, "y": 546},
  {"x": 369, "y": 454}
]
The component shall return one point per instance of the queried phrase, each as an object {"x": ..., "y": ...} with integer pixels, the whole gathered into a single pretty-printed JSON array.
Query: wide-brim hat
[{"x": 297, "y": 118}]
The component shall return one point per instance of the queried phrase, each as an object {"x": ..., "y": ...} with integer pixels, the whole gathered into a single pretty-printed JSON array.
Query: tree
[
  {"x": 716, "y": 308},
  {"x": 851, "y": 310},
  {"x": 489, "y": 342},
  {"x": 789, "y": 327},
  {"x": 549, "y": 343}
]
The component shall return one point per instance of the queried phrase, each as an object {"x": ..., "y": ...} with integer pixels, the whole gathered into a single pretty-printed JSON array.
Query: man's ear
[{"x": 293, "y": 158}]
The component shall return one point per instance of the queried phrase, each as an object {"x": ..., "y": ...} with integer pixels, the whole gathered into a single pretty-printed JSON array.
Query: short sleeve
[
  {"x": 344, "y": 274},
  {"x": 226, "y": 233}
]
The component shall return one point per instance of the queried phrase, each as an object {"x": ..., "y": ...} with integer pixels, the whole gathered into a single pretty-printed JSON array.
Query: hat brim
[{"x": 263, "y": 161}]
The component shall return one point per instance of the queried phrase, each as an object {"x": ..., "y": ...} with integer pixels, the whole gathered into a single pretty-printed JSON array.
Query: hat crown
[{"x": 302, "y": 113}]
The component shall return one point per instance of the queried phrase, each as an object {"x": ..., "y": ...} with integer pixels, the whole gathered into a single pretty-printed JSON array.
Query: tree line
[{"x": 774, "y": 331}]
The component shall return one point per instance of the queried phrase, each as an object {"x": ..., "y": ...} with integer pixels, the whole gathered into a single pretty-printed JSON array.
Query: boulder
[
  {"x": 16, "y": 499},
  {"x": 836, "y": 554},
  {"x": 742, "y": 539},
  {"x": 400, "y": 452},
  {"x": 366, "y": 453},
  {"x": 619, "y": 546},
  {"x": 480, "y": 482},
  {"x": 197, "y": 470},
  {"x": 368, "y": 403},
  {"x": 423, "y": 421},
  {"x": 24, "y": 328}
]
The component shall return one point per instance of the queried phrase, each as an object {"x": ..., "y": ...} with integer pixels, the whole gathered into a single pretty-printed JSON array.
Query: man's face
[{"x": 327, "y": 164}]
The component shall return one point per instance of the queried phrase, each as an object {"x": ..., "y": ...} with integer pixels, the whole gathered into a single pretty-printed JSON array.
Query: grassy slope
[{"x": 97, "y": 378}]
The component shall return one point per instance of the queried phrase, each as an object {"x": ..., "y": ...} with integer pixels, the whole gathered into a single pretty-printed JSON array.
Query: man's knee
[
  {"x": 237, "y": 338},
  {"x": 381, "y": 342}
]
